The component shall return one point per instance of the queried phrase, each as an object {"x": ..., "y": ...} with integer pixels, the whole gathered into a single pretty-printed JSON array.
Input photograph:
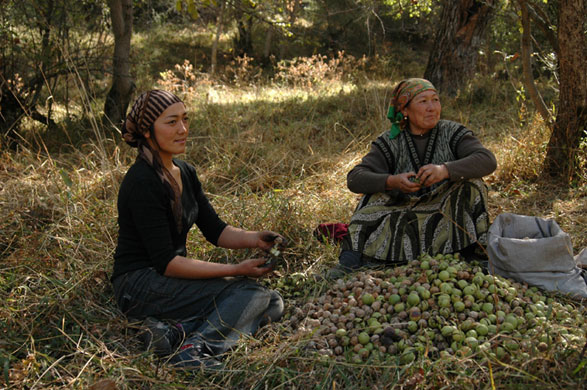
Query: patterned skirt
[{"x": 446, "y": 220}]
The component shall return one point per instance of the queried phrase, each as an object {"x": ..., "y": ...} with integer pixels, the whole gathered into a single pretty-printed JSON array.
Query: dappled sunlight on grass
[{"x": 220, "y": 94}]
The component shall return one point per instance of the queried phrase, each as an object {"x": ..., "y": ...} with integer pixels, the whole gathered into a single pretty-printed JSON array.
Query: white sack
[{"x": 535, "y": 251}]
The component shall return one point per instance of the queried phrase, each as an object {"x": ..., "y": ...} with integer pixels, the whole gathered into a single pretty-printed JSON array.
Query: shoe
[
  {"x": 351, "y": 260},
  {"x": 337, "y": 272},
  {"x": 160, "y": 337},
  {"x": 195, "y": 356},
  {"x": 348, "y": 261}
]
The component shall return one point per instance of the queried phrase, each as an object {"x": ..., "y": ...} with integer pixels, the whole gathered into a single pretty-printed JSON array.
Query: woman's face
[
  {"x": 171, "y": 131},
  {"x": 423, "y": 112}
]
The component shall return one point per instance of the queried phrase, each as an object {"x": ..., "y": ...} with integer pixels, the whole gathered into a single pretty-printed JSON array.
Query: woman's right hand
[
  {"x": 253, "y": 267},
  {"x": 185, "y": 268},
  {"x": 402, "y": 182}
]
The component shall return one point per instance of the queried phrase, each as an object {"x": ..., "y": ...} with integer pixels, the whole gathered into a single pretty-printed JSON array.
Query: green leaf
[
  {"x": 192, "y": 10},
  {"x": 6, "y": 370},
  {"x": 580, "y": 367},
  {"x": 66, "y": 179}
]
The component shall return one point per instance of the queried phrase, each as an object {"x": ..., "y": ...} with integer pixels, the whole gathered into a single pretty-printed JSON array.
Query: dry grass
[{"x": 272, "y": 156}]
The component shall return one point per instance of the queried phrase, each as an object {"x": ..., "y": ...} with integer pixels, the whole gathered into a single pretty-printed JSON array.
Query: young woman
[
  {"x": 159, "y": 200},
  {"x": 422, "y": 186}
]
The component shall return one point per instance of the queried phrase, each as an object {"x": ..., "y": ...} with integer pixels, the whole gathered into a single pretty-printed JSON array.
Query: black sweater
[{"x": 147, "y": 235}]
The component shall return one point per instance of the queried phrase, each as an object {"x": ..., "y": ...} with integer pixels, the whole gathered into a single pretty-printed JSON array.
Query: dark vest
[{"x": 402, "y": 156}]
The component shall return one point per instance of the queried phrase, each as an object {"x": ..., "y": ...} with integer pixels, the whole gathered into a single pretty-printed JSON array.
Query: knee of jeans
[
  {"x": 254, "y": 298},
  {"x": 276, "y": 307}
]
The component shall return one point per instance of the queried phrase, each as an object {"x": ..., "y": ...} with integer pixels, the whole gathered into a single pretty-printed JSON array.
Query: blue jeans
[{"x": 214, "y": 312}]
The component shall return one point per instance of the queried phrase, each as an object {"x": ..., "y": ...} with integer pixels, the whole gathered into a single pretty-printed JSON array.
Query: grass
[{"x": 270, "y": 155}]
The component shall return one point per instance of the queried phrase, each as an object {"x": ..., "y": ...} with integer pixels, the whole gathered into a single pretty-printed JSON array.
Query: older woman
[
  {"x": 422, "y": 185},
  {"x": 193, "y": 310}
]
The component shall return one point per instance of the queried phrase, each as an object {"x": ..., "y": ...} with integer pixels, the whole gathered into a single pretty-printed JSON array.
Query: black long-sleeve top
[{"x": 147, "y": 235}]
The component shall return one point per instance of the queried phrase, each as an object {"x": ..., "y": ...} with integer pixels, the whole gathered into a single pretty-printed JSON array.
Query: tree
[
  {"x": 453, "y": 57},
  {"x": 527, "y": 64},
  {"x": 123, "y": 86},
  {"x": 241, "y": 11},
  {"x": 571, "y": 120},
  {"x": 40, "y": 58},
  {"x": 219, "y": 25},
  {"x": 246, "y": 16}
]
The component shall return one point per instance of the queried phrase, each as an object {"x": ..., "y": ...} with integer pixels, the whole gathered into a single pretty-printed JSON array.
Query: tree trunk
[
  {"x": 244, "y": 41},
  {"x": 571, "y": 120},
  {"x": 267, "y": 46},
  {"x": 122, "y": 84},
  {"x": 453, "y": 57},
  {"x": 219, "y": 22},
  {"x": 11, "y": 112}
]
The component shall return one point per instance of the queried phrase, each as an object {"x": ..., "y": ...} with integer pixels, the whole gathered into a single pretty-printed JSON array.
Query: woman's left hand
[
  {"x": 266, "y": 239},
  {"x": 432, "y": 174}
]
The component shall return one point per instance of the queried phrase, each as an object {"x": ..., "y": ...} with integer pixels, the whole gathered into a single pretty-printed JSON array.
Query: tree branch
[
  {"x": 544, "y": 24},
  {"x": 527, "y": 66}
]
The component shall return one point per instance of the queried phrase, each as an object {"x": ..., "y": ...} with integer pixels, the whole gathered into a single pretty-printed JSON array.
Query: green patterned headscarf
[{"x": 402, "y": 95}]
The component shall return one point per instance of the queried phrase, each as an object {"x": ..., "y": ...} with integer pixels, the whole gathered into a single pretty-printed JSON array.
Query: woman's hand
[
  {"x": 267, "y": 238},
  {"x": 253, "y": 267},
  {"x": 432, "y": 174},
  {"x": 235, "y": 238},
  {"x": 186, "y": 268},
  {"x": 402, "y": 182}
]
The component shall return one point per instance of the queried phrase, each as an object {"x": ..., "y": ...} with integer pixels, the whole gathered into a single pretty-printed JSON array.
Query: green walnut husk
[{"x": 435, "y": 307}]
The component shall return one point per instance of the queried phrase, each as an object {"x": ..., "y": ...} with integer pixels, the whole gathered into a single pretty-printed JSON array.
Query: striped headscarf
[
  {"x": 402, "y": 95},
  {"x": 141, "y": 119}
]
